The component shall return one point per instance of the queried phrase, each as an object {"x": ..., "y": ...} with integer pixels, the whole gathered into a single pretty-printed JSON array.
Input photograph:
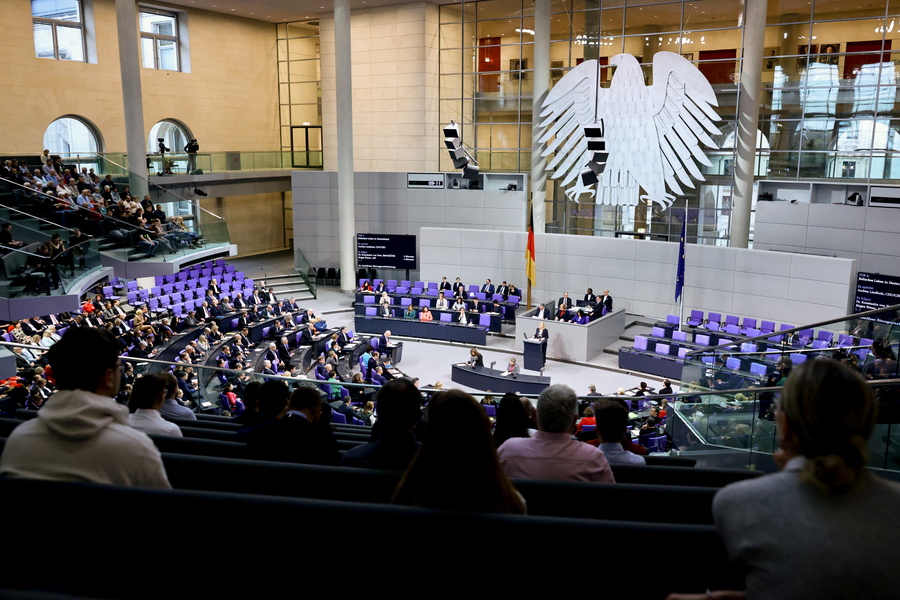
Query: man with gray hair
[{"x": 552, "y": 453}]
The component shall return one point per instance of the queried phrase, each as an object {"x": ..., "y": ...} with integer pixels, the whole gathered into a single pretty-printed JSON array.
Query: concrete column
[
  {"x": 346, "y": 195},
  {"x": 541, "y": 87},
  {"x": 748, "y": 118},
  {"x": 132, "y": 99}
]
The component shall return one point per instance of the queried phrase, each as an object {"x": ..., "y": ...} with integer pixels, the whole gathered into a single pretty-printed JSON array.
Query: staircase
[{"x": 290, "y": 286}]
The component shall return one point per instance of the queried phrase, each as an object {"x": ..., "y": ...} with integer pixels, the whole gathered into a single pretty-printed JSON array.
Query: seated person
[
  {"x": 426, "y": 315},
  {"x": 409, "y": 313}
]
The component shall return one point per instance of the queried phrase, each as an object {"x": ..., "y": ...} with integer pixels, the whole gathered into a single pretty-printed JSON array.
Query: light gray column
[
  {"x": 346, "y": 195},
  {"x": 541, "y": 87},
  {"x": 132, "y": 99},
  {"x": 748, "y": 119}
]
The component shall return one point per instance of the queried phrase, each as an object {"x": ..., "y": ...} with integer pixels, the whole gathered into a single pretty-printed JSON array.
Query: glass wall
[
  {"x": 829, "y": 93},
  {"x": 300, "y": 92}
]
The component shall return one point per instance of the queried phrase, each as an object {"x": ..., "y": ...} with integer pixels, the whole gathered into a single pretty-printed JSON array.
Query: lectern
[{"x": 535, "y": 351}]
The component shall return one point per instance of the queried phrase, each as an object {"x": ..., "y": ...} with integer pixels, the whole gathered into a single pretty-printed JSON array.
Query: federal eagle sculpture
[{"x": 652, "y": 134}]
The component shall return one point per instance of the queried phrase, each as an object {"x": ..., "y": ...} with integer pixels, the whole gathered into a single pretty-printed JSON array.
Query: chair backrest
[
  {"x": 662, "y": 349},
  {"x": 754, "y": 332},
  {"x": 672, "y": 320},
  {"x": 132, "y": 286},
  {"x": 713, "y": 325},
  {"x": 757, "y": 368},
  {"x": 798, "y": 359},
  {"x": 768, "y": 326},
  {"x": 369, "y": 299},
  {"x": 481, "y": 296},
  {"x": 424, "y": 302},
  {"x": 825, "y": 336},
  {"x": 514, "y": 299},
  {"x": 265, "y": 331},
  {"x": 696, "y": 315},
  {"x": 405, "y": 301},
  {"x": 640, "y": 342},
  {"x": 490, "y": 409},
  {"x": 733, "y": 362},
  {"x": 658, "y": 332},
  {"x": 405, "y": 283},
  {"x": 485, "y": 320},
  {"x": 819, "y": 344},
  {"x": 732, "y": 329},
  {"x": 682, "y": 352},
  {"x": 714, "y": 317},
  {"x": 337, "y": 417},
  {"x": 701, "y": 339},
  {"x": 748, "y": 347},
  {"x": 417, "y": 291},
  {"x": 446, "y": 317},
  {"x": 731, "y": 320},
  {"x": 473, "y": 289},
  {"x": 657, "y": 444},
  {"x": 432, "y": 285},
  {"x": 497, "y": 297},
  {"x": 370, "y": 311},
  {"x": 749, "y": 323}
]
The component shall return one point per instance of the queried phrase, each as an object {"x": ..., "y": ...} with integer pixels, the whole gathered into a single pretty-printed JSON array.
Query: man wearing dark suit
[
  {"x": 272, "y": 352},
  {"x": 244, "y": 336},
  {"x": 373, "y": 362},
  {"x": 384, "y": 310},
  {"x": 565, "y": 301},
  {"x": 445, "y": 285},
  {"x": 295, "y": 435},
  {"x": 284, "y": 352},
  {"x": 487, "y": 288},
  {"x": 343, "y": 337},
  {"x": 243, "y": 320},
  {"x": 589, "y": 295},
  {"x": 503, "y": 289},
  {"x": 203, "y": 313},
  {"x": 215, "y": 310},
  {"x": 239, "y": 302},
  {"x": 605, "y": 300},
  {"x": 308, "y": 334},
  {"x": 542, "y": 312},
  {"x": 380, "y": 288},
  {"x": 459, "y": 289},
  {"x": 383, "y": 341},
  {"x": 291, "y": 305},
  {"x": 378, "y": 376},
  {"x": 254, "y": 298}
]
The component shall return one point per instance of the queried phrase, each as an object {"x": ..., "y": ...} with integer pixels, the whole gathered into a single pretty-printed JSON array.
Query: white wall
[
  {"x": 868, "y": 234},
  {"x": 640, "y": 274}
]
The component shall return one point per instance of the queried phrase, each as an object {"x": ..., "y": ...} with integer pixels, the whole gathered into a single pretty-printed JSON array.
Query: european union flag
[{"x": 679, "y": 278}]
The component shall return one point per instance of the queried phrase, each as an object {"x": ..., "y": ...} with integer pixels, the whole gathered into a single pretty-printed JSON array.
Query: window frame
[
  {"x": 157, "y": 37},
  {"x": 55, "y": 23}
]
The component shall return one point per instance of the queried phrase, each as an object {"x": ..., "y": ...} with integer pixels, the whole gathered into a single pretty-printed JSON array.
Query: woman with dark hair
[
  {"x": 823, "y": 509},
  {"x": 475, "y": 358},
  {"x": 511, "y": 419},
  {"x": 457, "y": 467}
]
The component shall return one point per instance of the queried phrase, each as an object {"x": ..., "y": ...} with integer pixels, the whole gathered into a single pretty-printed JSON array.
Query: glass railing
[
  {"x": 304, "y": 268},
  {"x": 736, "y": 358},
  {"x": 180, "y": 163}
]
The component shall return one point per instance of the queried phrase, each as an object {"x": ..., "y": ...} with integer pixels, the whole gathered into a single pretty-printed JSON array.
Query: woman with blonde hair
[{"x": 824, "y": 527}]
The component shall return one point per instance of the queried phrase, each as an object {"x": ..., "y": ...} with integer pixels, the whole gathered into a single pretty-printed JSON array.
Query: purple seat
[
  {"x": 391, "y": 284},
  {"x": 662, "y": 349},
  {"x": 432, "y": 285},
  {"x": 696, "y": 318},
  {"x": 825, "y": 336},
  {"x": 370, "y": 311},
  {"x": 845, "y": 340},
  {"x": 158, "y": 280},
  {"x": 405, "y": 284},
  {"x": 748, "y": 324},
  {"x": 265, "y": 332},
  {"x": 713, "y": 326},
  {"x": 732, "y": 362},
  {"x": 484, "y": 320},
  {"x": 234, "y": 323},
  {"x": 402, "y": 289},
  {"x": 732, "y": 329},
  {"x": 405, "y": 301},
  {"x": 497, "y": 297},
  {"x": 446, "y": 317},
  {"x": 514, "y": 300},
  {"x": 714, "y": 318},
  {"x": 168, "y": 288},
  {"x": 369, "y": 299},
  {"x": 785, "y": 326},
  {"x": 798, "y": 359},
  {"x": 731, "y": 320},
  {"x": 132, "y": 286},
  {"x": 375, "y": 282},
  {"x": 767, "y": 326},
  {"x": 748, "y": 347},
  {"x": 658, "y": 332},
  {"x": 640, "y": 343},
  {"x": 754, "y": 333},
  {"x": 417, "y": 291},
  {"x": 424, "y": 302},
  {"x": 657, "y": 444},
  {"x": 490, "y": 409},
  {"x": 432, "y": 291},
  {"x": 337, "y": 417},
  {"x": 588, "y": 427},
  {"x": 701, "y": 339},
  {"x": 758, "y": 368},
  {"x": 679, "y": 336},
  {"x": 682, "y": 352},
  {"x": 672, "y": 320},
  {"x": 819, "y": 344},
  {"x": 473, "y": 289},
  {"x": 481, "y": 296}
]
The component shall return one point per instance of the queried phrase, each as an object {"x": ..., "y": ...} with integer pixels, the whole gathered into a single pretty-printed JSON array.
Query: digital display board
[
  {"x": 385, "y": 251},
  {"x": 425, "y": 180},
  {"x": 874, "y": 291}
]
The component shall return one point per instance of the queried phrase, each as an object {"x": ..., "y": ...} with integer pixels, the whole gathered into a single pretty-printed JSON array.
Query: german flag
[{"x": 529, "y": 252}]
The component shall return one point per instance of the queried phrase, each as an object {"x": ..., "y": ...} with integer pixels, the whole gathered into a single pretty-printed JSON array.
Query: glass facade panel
[{"x": 58, "y": 29}]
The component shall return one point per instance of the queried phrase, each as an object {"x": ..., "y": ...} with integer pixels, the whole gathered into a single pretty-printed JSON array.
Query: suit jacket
[
  {"x": 343, "y": 339},
  {"x": 240, "y": 303},
  {"x": 380, "y": 288},
  {"x": 606, "y": 301},
  {"x": 460, "y": 290},
  {"x": 385, "y": 310},
  {"x": 542, "y": 333},
  {"x": 216, "y": 290},
  {"x": 284, "y": 354},
  {"x": 445, "y": 285},
  {"x": 306, "y": 337},
  {"x": 567, "y": 302},
  {"x": 542, "y": 314},
  {"x": 590, "y": 298},
  {"x": 254, "y": 299},
  {"x": 243, "y": 321},
  {"x": 503, "y": 290},
  {"x": 488, "y": 288}
]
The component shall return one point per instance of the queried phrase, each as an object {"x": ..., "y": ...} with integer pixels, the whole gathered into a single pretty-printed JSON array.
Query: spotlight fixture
[
  {"x": 458, "y": 154},
  {"x": 597, "y": 145}
]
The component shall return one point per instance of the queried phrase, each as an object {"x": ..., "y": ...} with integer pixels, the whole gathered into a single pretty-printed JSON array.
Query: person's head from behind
[
  {"x": 398, "y": 405},
  {"x": 251, "y": 395},
  {"x": 86, "y": 358},
  {"x": 273, "y": 397},
  {"x": 556, "y": 409},
  {"x": 457, "y": 467},
  {"x": 307, "y": 400},
  {"x": 612, "y": 420},
  {"x": 826, "y": 414},
  {"x": 147, "y": 393}
]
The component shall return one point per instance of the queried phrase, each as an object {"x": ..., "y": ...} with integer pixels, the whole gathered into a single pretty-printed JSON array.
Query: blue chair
[
  {"x": 424, "y": 302},
  {"x": 490, "y": 409},
  {"x": 702, "y": 340},
  {"x": 369, "y": 299},
  {"x": 662, "y": 349},
  {"x": 405, "y": 301},
  {"x": 484, "y": 320},
  {"x": 658, "y": 332},
  {"x": 446, "y": 317},
  {"x": 767, "y": 326},
  {"x": 371, "y": 311},
  {"x": 417, "y": 291},
  {"x": 758, "y": 369},
  {"x": 657, "y": 444},
  {"x": 672, "y": 320},
  {"x": 696, "y": 318},
  {"x": 640, "y": 343},
  {"x": 733, "y": 362}
]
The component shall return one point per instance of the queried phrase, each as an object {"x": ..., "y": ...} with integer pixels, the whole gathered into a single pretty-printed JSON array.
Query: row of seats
[{"x": 431, "y": 288}]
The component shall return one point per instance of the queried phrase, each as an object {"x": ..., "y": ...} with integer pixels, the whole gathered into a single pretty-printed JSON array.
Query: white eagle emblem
[{"x": 652, "y": 133}]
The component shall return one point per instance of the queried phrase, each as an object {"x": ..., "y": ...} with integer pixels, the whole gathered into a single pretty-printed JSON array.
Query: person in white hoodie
[{"x": 81, "y": 434}]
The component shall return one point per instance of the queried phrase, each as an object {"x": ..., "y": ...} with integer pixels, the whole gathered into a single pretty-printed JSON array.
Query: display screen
[
  {"x": 385, "y": 251},
  {"x": 874, "y": 291}
]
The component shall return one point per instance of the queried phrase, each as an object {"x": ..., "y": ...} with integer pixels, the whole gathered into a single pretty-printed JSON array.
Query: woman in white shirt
[{"x": 147, "y": 396}]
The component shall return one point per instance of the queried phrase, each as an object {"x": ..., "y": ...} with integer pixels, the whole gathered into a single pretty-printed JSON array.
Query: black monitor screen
[
  {"x": 874, "y": 291},
  {"x": 385, "y": 251}
]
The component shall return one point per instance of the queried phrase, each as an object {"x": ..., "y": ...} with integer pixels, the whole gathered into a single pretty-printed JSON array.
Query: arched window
[
  {"x": 174, "y": 134},
  {"x": 71, "y": 135}
]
